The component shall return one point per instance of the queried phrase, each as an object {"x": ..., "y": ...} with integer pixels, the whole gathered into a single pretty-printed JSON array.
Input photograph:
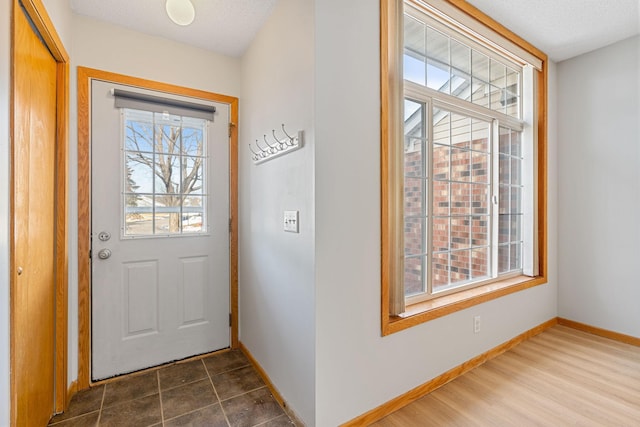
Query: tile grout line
[
  {"x": 233, "y": 369},
  {"x": 104, "y": 393},
  {"x": 82, "y": 414},
  {"x": 271, "y": 419},
  {"x": 185, "y": 384},
  {"x": 256, "y": 389},
  {"x": 247, "y": 392},
  {"x": 224, "y": 414},
  {"x": 191, "y": 412},
  {"x": 75, "y": 417},
  {"x": 284, "y": 413},
  {"x": 160, "y": 397}
]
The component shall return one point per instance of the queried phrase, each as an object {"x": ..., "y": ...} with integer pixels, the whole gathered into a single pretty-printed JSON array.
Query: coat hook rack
[{"x": 267, "y": 150}]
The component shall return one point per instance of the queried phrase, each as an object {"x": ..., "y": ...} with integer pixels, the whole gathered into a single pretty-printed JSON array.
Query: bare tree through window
[{"x": 165, "y": 164}]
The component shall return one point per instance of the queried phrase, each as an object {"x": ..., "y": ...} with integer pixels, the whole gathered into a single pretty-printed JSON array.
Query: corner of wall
[
  {"x": 276, "y": 268},
  {"x": 552, "y": 178},
  {"x": 598, "y": 176}
]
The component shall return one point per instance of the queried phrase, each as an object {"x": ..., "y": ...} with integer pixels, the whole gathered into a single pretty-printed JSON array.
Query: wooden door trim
[
  {"x": 62, "y": 260},
  {"x": 37, "y": 13},
  {"x": 85, "y": 76}
]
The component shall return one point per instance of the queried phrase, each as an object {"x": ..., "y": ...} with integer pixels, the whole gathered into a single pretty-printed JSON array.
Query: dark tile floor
[{"x": 220, "y": 390}]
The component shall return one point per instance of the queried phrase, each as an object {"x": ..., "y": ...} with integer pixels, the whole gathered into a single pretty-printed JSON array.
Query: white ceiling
[
  {"x": 566, "y": 28},
  {"x": 560, "y": 28},
  {"x": 223, "y": 26}
]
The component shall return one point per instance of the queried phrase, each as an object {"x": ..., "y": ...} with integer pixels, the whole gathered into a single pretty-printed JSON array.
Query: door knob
[
  {"x": 19, "y": 271},
  {"x": 104, "y": 253}
]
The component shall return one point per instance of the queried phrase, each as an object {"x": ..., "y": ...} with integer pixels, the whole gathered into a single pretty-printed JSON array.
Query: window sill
[{"x": 416, "y": 314}]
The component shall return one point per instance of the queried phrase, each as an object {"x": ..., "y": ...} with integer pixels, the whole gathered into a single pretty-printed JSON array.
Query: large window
[{"x": 462, "y": 146}]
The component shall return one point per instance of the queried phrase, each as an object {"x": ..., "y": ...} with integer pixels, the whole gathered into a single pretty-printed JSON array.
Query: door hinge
[
  {"x": 230, "y": 319},
  {"x": 229, "y": 225},
  {"x": 89, "y": 253},
  {"x": 231, "y": 126}
]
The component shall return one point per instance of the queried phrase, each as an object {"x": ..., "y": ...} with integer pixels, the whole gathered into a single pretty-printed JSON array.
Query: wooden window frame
[{"x": 391, "y": 185}]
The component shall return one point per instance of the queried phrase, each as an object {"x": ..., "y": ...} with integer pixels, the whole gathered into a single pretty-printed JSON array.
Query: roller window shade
[{"x": 157, "y": 104}]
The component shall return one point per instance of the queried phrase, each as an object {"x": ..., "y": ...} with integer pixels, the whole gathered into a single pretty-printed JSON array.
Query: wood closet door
[{"x": 33, "y": 298}]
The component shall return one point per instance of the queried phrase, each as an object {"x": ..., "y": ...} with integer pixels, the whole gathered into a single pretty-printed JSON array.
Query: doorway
[
  {"x": 38, "y": 264},
  {"x": 145, "y": 215}
]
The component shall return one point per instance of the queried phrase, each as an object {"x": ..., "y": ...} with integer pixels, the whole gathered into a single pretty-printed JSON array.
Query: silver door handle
[{"x": 104, "y": 253}]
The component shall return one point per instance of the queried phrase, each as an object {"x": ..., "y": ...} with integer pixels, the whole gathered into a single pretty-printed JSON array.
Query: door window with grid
[{"x": 164, "y": 174}]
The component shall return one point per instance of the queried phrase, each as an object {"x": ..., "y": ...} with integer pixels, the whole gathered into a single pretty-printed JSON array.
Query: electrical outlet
[
  {"x": 291, "y": 221},
  {"x": 476, "y": 324}
]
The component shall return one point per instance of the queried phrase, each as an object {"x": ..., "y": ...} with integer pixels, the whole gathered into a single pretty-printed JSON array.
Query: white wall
[
  {"x": 276, "y": 271},
  {"x": 60, "y": 13},
  {"x": 353, "y": 362},
  {"x": 599, "y": 164},
  {"x": 110, "y": 48}
]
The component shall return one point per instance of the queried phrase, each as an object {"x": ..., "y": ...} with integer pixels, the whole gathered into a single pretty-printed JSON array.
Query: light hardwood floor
[{"x": 560, "y": 377}]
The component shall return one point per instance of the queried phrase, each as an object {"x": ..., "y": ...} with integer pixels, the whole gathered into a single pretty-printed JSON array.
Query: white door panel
[{"x": 158, "y": 298}]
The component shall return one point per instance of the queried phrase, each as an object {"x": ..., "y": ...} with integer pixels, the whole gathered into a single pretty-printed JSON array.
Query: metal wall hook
[
  {"x": 281, "y": 144},
  {"x": 262, "y": 149},
  {"x": 285, "y": 132},
  {"x": 276, "y": 147},
  {"x": 256, "y": 156},
  {"x": 251, "y": 149}
]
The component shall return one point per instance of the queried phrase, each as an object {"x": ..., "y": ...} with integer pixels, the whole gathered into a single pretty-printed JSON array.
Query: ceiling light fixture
[{"x": 181, "y": 12}]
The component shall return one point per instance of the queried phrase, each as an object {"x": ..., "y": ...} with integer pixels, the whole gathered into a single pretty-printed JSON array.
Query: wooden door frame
[
  {"x": 85, "y": 76},
  {"x": 37, "y": 13}
]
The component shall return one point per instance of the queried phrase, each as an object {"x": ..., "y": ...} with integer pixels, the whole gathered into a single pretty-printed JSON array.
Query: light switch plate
[{"x": 291, "y": 221}]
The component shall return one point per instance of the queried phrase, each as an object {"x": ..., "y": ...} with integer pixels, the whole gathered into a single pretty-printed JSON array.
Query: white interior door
[{"x": 160, "y": 234}]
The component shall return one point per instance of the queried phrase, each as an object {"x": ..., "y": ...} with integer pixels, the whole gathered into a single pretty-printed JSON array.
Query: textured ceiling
[
  {"x": 560, "y": 28},
  {"x": 223, "y": 26},
  {"x": 566, "y": 28}
]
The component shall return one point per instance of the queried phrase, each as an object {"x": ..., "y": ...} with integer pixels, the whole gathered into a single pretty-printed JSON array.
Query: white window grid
[
  {"x": 152, "y": 119},
  {"x": 443, "y": 97}
]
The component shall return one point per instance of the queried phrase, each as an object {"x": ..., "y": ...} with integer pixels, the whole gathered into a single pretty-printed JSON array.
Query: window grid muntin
[
  {"x": 421, "y": 17},
  {"x": 429, "y": 96},
  {"x": 515, "y": 245},
  {"x": 460, "y": 106},
  {"x": 425, "y": 101},
  {"x": 154, "y": 123},
  {"x": 424, "y": 178},
  {"x": 470, "y": 216}
]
